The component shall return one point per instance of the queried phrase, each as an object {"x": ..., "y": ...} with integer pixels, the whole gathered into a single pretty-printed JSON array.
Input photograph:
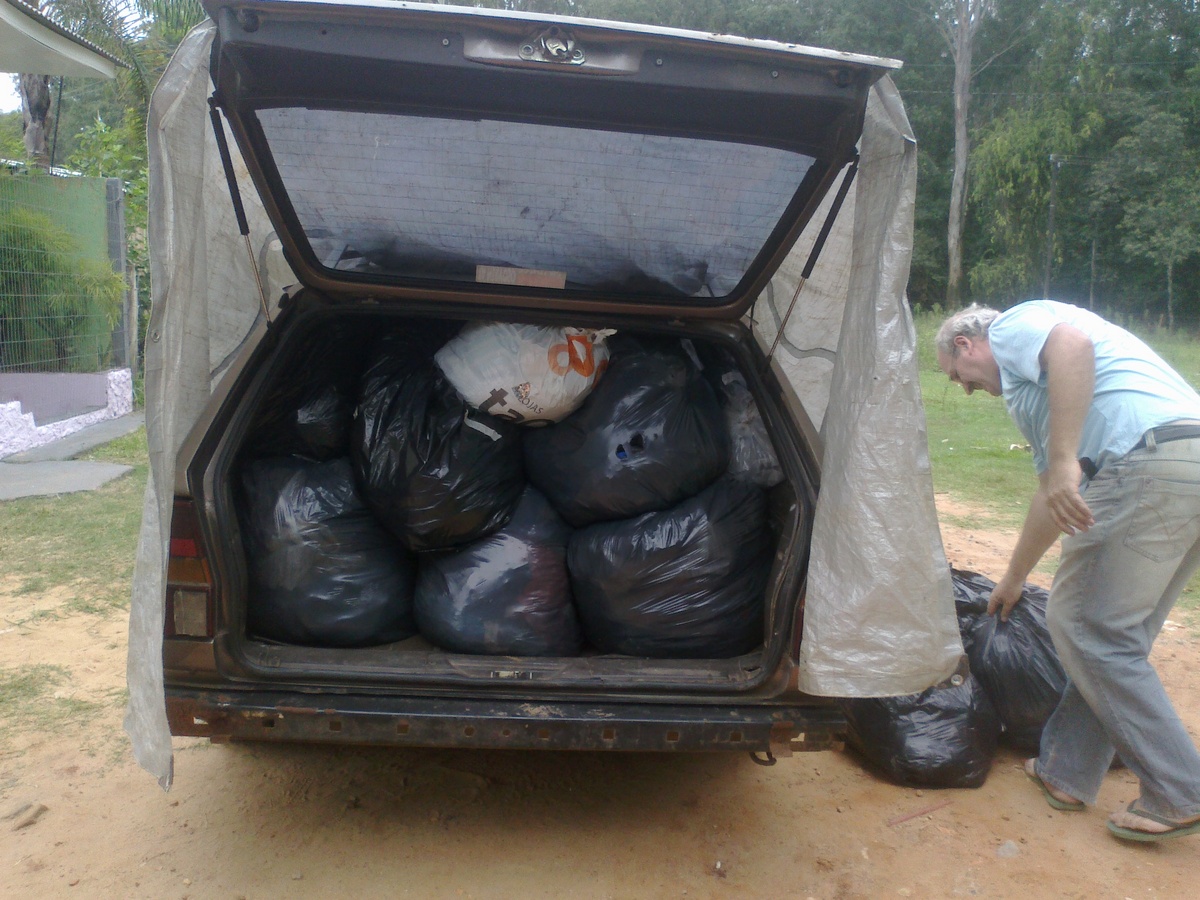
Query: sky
[{"x": 8, "y": 94}]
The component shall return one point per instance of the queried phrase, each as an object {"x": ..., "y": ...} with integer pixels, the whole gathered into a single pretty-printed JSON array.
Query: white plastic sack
[{"x": 530, "y": 374}]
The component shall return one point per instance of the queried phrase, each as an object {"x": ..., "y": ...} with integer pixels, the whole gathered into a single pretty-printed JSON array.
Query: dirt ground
[{"x": 265, "y": 821}]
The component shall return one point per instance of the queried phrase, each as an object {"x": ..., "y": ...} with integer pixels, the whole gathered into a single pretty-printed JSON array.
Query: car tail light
[{"x": 189, "y": 580}]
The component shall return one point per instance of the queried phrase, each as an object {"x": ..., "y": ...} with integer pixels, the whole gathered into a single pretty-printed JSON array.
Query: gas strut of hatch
[
  {"x": 236, "y": 196},
  {"x": 818, "y": 244}
]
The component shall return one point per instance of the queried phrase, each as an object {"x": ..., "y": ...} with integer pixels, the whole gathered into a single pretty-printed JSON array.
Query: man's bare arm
[
  {"x": 1037, "y": 535},
  {"x": 1069, "y": 361}
]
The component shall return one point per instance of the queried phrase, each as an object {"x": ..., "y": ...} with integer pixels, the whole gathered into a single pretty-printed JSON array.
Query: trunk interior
[{"x": 268, "y": 386}]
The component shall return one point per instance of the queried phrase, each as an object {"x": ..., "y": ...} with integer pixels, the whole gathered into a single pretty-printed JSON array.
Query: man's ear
[{"x": 962, "y": 342}]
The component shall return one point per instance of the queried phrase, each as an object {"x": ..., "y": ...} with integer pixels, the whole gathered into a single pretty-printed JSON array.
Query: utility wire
[
  {"x": 1181, "y": 92},
  {"x": 1105, "y": 65}
]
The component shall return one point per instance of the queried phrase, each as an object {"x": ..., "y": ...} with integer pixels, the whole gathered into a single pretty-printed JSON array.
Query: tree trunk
[
  {"x": 36, "y": 119},
  {"x": 1171, "y": 298},
  {"x": 964, "y": 39},
  {"x": 1092, "y": 279}
]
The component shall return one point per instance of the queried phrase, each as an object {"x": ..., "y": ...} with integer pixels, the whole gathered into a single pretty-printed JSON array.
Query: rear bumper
[{"x": 455, "y": 722}]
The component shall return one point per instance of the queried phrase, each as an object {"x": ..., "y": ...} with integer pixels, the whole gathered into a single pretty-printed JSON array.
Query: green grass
[
  {"x": 1181, "y": 350},
  {"x": 84, "y": 542},
  {"x": 129, "y": 450},
  {"x": 27, "y": 700},
  {"x": 977, "y": 453}
]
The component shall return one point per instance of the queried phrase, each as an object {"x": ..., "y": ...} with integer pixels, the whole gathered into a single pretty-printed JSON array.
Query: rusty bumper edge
[{"x": 425, "y": 722}]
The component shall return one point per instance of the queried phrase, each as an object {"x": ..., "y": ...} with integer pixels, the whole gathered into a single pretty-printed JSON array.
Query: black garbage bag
[
  {"x": 309, "y": 410},
  {"x": 971, "y": 593},
  {"x": 1016, "y": 662},
  {"x": 941, "y": 737},
  {"x": 685, "y": 583},
  {"x": 650, "y": 434},
  {"x": 506, "y": 594},
  {"x": 436, "y": 472},
  {"x": 323, "y": 573}
]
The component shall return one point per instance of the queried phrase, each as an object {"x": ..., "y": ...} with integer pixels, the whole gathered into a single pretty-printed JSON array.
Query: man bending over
[{"x": 1115, "y": 434}]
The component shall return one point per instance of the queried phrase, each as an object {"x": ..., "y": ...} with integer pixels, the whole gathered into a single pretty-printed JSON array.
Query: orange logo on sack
[{"x": 578, "y": 355}]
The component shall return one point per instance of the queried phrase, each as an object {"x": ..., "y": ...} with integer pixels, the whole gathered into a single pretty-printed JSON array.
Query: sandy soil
[{"x": 272, "y": 821}]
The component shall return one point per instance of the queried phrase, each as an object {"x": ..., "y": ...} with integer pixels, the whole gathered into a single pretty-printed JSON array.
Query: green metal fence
[{"x": 63, "y": 295}]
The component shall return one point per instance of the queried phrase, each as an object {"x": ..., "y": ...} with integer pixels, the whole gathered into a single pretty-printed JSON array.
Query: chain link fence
[{"x": 65, "y": 306}]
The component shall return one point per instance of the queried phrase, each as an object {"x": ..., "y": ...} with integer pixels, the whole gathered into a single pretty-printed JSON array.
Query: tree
[
  {"x": 1165, "y": 228},
  {"x": 958, "y": 22},
  {"x": 141, "y": 33},
  {"x": 144, "y": 34},
  {"x": 84, "y": 18},
  {"x": 12, "y": 145},
  {"x": 1150, "y": 178},
  {"x": 40, "y": 266},
  {"x": 1116, "y": 64},
  {"x": 1010, "y": 192},
  {"x": 37, "y": 120}
]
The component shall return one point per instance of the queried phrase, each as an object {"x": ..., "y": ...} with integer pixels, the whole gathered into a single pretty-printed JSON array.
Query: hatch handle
[
  {"x": 235, "y": 194},
  {"x": 815, "y": 252}
]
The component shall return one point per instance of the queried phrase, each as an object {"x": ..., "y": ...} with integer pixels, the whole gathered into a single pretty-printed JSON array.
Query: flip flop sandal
[
  {"x": 1133, "y": 834},
  {"x": 1064, "y": 805}
]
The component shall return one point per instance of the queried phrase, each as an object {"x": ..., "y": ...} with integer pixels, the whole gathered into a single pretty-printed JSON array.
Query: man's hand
[
  {"x": 1037, "y": 535},
  {"x": 1005, "y": 596},
  {"x": 1063, "y": 501}
]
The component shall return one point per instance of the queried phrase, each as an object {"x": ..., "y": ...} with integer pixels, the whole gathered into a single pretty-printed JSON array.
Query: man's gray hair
[{"x": 972, "y": 322}]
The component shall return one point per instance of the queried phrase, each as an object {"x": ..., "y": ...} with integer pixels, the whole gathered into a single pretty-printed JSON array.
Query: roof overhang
[{"x": 30, "y": 42}]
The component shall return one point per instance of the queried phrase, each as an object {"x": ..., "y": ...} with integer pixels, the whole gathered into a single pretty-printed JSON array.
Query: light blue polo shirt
[{"x": 1135, "y": 389}]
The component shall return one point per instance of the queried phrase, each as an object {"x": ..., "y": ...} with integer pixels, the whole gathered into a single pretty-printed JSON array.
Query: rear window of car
[{"x": 543, "y": 205}]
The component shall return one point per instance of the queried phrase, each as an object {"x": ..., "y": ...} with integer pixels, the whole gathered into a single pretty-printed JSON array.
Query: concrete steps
[{"x": 38, "y": 409}]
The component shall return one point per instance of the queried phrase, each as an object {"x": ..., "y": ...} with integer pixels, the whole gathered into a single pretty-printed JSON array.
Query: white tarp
[
  {"x": 879, "y": 617},
  {"x": 205, "y": 301}
]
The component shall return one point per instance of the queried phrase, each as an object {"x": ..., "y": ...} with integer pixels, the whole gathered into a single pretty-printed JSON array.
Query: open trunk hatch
[{"x": 459, "y": 155}]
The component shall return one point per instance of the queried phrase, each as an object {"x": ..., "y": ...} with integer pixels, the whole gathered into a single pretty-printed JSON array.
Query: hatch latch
[{"x": 554, "y": 45}]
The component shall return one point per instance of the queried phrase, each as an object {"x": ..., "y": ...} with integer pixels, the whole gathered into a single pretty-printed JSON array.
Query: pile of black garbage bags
[
  {"x": 380, "y": 504},
  {"x": 948, "y": 736}
]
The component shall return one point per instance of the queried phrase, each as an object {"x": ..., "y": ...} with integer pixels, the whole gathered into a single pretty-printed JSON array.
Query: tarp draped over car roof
[
  {"x": 205, "y": 302},
  {"x": 879, "y": 618}
]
